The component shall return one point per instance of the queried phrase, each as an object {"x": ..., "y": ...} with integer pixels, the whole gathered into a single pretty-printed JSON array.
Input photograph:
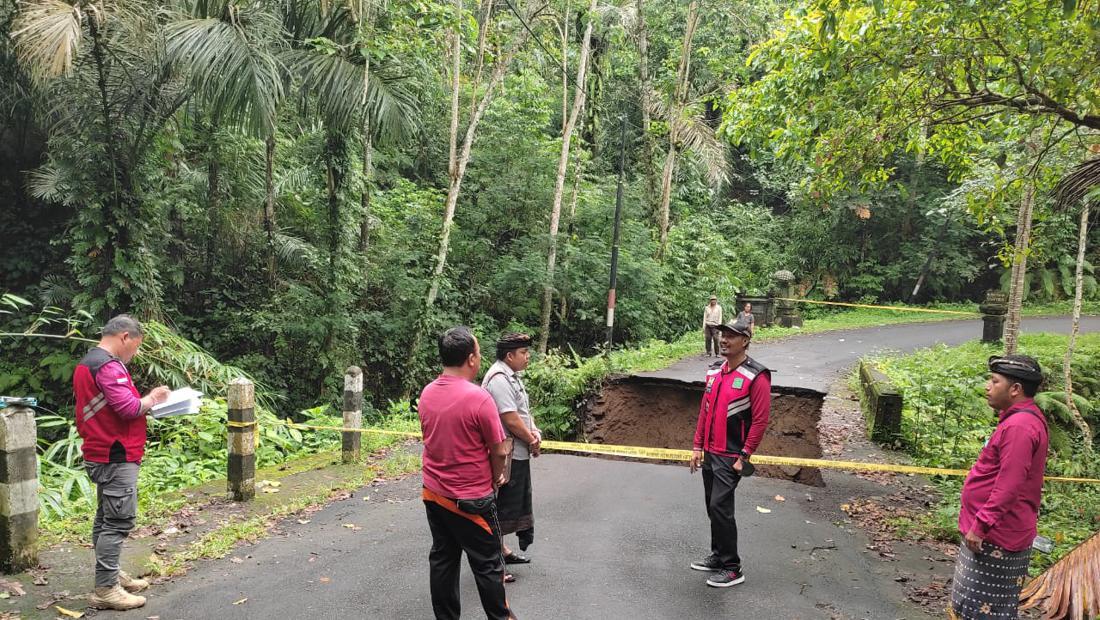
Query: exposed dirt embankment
[{"x": 662, "y": 414}]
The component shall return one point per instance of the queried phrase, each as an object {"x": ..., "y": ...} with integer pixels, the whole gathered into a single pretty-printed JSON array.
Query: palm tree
[
  {"x": 337, "y": 77},
  {"x": 687, "y": 129},
  {"x": 231, "y": 57},
  {"x": 107, "y": 60},
  {"x": 1079, "y": 187}
]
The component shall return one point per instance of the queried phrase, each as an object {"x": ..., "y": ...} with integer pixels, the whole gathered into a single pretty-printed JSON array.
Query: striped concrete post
[
  {"x": 353, "y": 414},
  {"x": 242, "y": 440},
  {"x": 18, "y": 490}
]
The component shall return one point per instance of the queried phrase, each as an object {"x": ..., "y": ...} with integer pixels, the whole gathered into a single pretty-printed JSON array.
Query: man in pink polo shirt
[
  {"x": 1000, "y": 497},
  {"x": 464, "y": 461}
]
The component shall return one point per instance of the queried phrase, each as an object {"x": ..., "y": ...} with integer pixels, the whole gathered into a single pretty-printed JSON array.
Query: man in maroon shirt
[
  {"x": 110, "y": 417},
  {"x": 1001, "y": 495},
  {"x": 732, "y": 419},
  {"x": 464, "y": 462}
]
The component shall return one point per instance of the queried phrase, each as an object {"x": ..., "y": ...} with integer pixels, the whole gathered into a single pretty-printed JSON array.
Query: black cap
[
  {"x": 738, "y": 326},
  {"x": 1020, "y": 367}
]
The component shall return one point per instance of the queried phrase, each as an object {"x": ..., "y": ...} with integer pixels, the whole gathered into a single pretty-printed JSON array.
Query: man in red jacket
[
  {"x": 110, "y": 417},
  {"x": 1000, "y": 497},
  {"x": 732, "y": 419}
]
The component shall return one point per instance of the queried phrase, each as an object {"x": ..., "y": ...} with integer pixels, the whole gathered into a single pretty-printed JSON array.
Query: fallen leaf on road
[
  {"x": 845, "y": 507},
  {"x": 352, "y": 526},
  {"x": 68, "y": 612},
  {"x": 240, "y": 601},
  {"x": 303, "y": 521},
  {"x": 11, "y": 588},
  {"x": 55, "y": 597},
  {"x": 366, "y": 499},
  {"x": 325, "y": 579},
  {"x": 40, "y": 576},
  {"x": 780, "y": 498},
  {"x": 236, "y": 560},
  {"x": 762, "y": 510}
]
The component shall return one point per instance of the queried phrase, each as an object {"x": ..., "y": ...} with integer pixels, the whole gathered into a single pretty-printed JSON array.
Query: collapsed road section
[{"x": 659, "y": 412}]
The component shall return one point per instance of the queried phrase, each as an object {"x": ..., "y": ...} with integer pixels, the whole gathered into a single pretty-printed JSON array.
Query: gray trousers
[
  {"x": 710, "y": 334},
  {"x": 116, "y": 492}
]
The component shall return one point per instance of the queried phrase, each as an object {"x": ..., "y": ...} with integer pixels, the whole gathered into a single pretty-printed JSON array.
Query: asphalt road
[
  {"x": 815, "y": 361},
  {"x": 614, "y": 540}
]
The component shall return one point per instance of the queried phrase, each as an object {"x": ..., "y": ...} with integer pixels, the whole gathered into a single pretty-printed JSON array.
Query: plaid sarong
[{"x": 986, "y": 586}]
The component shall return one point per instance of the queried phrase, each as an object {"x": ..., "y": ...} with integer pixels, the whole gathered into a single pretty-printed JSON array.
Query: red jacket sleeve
[
  {"x": 760, "y": 395},
  {"x": 1015, "y": 449},
  {"x": 114, "y": 381}
]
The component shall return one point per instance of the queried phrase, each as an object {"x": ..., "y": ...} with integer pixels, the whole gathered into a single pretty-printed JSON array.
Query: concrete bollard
[
  {"x": 353, "y": 415},
  {"x": 18, "y": 490},
  {"x": 994, "y": 310},
  {"x": 242, "y": 440}
]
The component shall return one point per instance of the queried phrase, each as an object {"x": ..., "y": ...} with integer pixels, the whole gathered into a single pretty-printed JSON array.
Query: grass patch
[{"x": 158, "y": 502}]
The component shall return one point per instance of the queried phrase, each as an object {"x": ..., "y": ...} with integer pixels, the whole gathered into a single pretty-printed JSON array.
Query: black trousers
[
  {"x": 453, "y": 532},
  {"x": 719, "y": 483}
]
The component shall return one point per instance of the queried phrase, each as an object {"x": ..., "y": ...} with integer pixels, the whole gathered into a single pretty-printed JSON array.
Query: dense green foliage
[
  {"x": 946, "y": 421},
  {"x": 267, "y": 185}
]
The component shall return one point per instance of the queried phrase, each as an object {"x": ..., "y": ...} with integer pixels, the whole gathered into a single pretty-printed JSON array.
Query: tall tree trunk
[
  {"x": 366, "y": 138},
  {"x": 1078, "y": 294},
  {"x": 457, "y": 159},
  {"x": 683, "y": 75},
  {"x": 563, "y": 310},
  {"x": 454, "y": 182},
  {"x": 648, "y": 148},
  {"x": 213, "y": 194},
  {"x": 559, "y": 182},
  {"x": 1019, "y": 268},
  {"x": 269, "y": 204}
]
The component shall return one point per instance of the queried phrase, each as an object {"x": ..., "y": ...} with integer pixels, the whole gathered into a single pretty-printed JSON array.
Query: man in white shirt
[
  {"x": 506, "y": 387},
  {"x": 712, "y": 318}
]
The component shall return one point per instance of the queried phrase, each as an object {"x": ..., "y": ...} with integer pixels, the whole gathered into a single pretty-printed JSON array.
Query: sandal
[
  {"x": 515, "y": 558},
  {"x": 509, "y": 578}
]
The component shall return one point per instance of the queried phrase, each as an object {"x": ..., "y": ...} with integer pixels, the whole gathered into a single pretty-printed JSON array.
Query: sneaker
[
  {"x": 131, "y": 584},
  {"x": 726, "y": 578},
  {"x": 710, "y": 563},
  {"x": 115, "y": 598}
]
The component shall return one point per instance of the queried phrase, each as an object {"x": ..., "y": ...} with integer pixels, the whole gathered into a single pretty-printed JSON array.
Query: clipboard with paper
[{"x": 184, "y": 401}]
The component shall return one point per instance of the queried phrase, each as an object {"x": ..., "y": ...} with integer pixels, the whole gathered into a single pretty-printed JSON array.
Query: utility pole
[{"x": 615, "y": 236}]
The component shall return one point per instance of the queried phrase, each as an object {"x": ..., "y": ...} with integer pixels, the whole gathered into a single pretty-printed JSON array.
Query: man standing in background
[
  {"x": 110, "y": 417},
  {"x": 514, "y": 499},
  {"x": 465, "y": 458},
  {"x": 712, "y": 319}
]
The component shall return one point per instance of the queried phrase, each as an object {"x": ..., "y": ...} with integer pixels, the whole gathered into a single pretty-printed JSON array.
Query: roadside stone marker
[
  {"x": 353, "y": 415},
  {"x": 242, "y": 440},
  {"x": 18, "y": 490}
]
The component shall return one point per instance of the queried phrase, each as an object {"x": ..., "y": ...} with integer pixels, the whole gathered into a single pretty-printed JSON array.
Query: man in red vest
[
  {"x": 733, "y": 416},
  {"x": 110, "y": 417}
]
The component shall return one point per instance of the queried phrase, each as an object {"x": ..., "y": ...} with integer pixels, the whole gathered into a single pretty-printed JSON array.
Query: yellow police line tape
[
  {"x": 669, "y": 454},
  {"x": 895, "y": 308}
]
